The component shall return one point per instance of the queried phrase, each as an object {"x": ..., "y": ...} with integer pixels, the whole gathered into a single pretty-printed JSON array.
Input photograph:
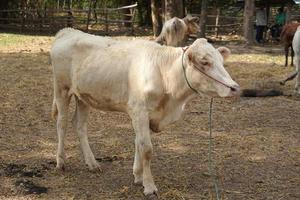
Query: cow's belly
[
  {"x": 103, "y": 85},
  {"x": 101, "y": 95},
  {"x": 103, "y": 103}
]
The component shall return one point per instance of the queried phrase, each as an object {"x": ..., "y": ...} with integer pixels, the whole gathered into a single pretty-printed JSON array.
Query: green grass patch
[{"x": 9, "y": 39}]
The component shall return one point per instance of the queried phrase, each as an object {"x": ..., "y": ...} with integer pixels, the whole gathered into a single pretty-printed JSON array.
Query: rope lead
[
  {"x": 211, "y": 169},
  {"x": 213, "y": 175}
]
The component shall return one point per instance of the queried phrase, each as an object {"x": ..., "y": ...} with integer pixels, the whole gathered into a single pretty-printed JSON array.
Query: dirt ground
[{"x": 256, "y": 140}]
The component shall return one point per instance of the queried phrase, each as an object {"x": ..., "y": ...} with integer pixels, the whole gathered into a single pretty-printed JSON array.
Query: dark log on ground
[{"x": 260, "y": 93}]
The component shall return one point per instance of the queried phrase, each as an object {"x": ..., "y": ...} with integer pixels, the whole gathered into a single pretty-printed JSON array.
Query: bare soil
[{"x": 256, "y": 140}]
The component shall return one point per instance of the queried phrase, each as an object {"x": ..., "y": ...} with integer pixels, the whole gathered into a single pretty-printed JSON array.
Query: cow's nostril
[{"x": 233, "y": 89}]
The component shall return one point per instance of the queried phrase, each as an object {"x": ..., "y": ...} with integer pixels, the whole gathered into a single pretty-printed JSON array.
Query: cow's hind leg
[
  {"x": 141, "y": 168},
  {"x": 80, "y": 125},
  {"x": 286, "y": 51},
  {"x": 292, "y": 55},
  {"x": 62, "y": 101},
  {"x": 297, "y": 86}
]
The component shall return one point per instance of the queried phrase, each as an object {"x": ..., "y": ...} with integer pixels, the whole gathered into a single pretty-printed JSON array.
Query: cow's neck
[{"x": 173, "y": 75}]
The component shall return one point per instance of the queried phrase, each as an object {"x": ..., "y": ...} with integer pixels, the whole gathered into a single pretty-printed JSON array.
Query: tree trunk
[
  {"x": 248, "y": 20},
  {"x": 156, "y": 19},
  {"x": 173, "y": 8},
  {"x": 169, "y": 9},
  {"x": 94, "y": 10},
  {"x": 70, "y": 14},
  {"x": 217, "y": 23},
  {"x": 179, "y": 9},
  {"x": 148, "y": 20},
  {"x": 89, "y": 16},
  {"x": 288, "y": 14},
  {"x": 203, "y": 18},
  {"x": 144, "y": 12},
  {"x": 163, "y": 11}
]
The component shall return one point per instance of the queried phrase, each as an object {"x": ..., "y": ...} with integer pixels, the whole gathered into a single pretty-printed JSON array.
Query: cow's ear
[
  {"x": 189, "y": 18},
  {"x": 225, "y": 52},
  {"x": 194, "y": 19},
  {"x": 191, "y": 57}
]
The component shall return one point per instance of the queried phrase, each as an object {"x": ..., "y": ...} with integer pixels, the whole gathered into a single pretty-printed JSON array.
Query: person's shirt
[
  {"x": 261, "y": 17},
  {"x": 280, "y": 19}
]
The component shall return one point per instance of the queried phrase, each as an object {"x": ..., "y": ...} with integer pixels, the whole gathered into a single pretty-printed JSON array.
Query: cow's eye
[{"x": 205, "y": 63}]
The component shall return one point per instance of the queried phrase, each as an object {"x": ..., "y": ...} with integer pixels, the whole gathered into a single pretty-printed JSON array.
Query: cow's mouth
[{"x": 154, "y": 126}]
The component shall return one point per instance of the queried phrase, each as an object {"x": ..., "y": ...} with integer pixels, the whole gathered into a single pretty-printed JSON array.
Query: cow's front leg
[
  {"x": 137, "y": 165},
  {"x": 143, "y": 154}
]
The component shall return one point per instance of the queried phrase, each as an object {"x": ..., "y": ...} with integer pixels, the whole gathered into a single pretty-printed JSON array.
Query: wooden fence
[
  {"x": 52, "y": 20},
  {"x": 224, "y": 25},
  {"x": 218, "y": 24}
]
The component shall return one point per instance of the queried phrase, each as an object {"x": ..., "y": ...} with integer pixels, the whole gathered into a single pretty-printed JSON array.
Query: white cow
[
  {"x": 142, "y": 78},
  {"x": 296, "y": 47},
  {"x": 175, "y": 30}
]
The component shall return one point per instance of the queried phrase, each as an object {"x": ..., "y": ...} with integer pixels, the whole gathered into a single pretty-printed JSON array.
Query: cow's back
[
  {"x": 70, "y": 43},
  {"x": 110, "y": 75},
  {"x": 70, "y": 47},
  {"x": 288, "y": 32}
]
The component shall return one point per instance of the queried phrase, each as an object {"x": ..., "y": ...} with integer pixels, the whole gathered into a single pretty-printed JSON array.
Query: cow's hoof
[
  {"x": 94, "y": 166},
  {"x": 150, "y": 190},
  {"x": 152, "y": 196},
  {"x": 138, "y": 180},
  {"x": 60, "y": 164}
]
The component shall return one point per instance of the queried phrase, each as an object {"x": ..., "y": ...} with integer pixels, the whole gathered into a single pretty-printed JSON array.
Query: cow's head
[
  {"x": 205, "y": 70},
  {"x": 192, "y": 24}
]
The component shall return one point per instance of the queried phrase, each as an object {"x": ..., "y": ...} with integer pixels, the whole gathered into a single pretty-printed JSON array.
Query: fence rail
[
  {"x": 54, "y": 19},
  {"x": 220, "y": 24}
]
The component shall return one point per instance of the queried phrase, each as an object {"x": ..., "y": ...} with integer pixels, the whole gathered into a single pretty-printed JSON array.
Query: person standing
[
  {"x": 261, "y": 23},
  {"x": 279, "y": 22}
]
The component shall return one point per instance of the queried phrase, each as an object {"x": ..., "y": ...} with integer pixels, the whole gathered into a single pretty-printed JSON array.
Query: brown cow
[{"x": 286, "y": 38}]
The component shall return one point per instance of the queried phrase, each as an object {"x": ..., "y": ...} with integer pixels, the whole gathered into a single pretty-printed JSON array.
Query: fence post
[
  {"x": 132, "y": 19},
  {"x": 217, "y": 22},
  {"x": 89, "y": 16},
  {"x": 106, "y": 21},
  {"x": 23, "y": 20}
]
